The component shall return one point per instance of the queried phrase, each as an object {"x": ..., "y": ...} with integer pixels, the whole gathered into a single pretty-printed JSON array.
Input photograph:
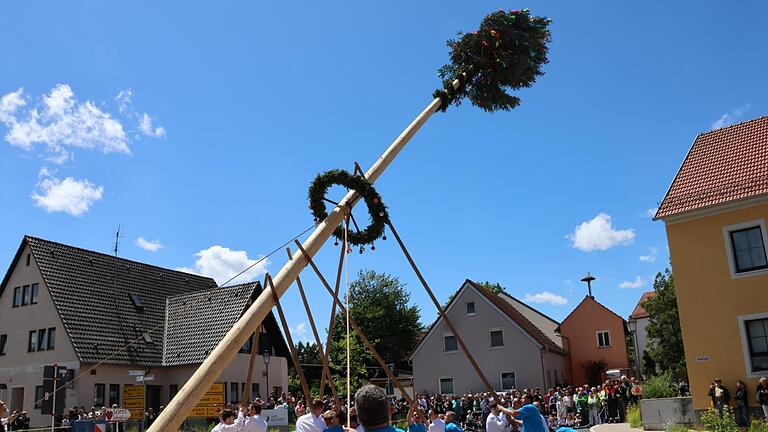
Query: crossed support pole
[{"x": 355, "y": 326}]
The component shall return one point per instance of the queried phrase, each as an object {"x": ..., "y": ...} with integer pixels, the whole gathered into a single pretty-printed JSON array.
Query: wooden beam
[
  {"x": 251, "y": 360},
  {"x": 329, "y": 337},
  {"x": 443, "y": 315},
  {"x": 287, "y": 331},
  {"x": 357, "y": 329},
  {"x": 226, "y": 350},
  {"x": 326, "y": 369}
]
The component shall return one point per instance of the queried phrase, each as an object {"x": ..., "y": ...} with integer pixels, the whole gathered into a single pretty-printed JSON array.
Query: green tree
[
  {"x": 649, "y": 365},
  {"x": 380, "y": 304},
  {"x": 309, "y": 357},
  {"x": 359, "y": 359},
  {"x": 494, "y": 287},
  {"x": 664, "y": 335}
]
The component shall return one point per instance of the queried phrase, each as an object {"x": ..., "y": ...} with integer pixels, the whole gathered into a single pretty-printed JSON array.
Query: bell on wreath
[
  {"x": 349, "y": 249},
  {"x": 362, "y": 248},
  {"x": 373, "y": 247},
  {"x": 336, "y": 243}
]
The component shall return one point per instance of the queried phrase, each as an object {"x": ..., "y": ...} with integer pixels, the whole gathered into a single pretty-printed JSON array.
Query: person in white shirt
[
  {"x": 435, "y": 423},
  {"x": 313, "y": 420},
  {"x": 258, "y": 424},
  {"x": 497, "y": 419},
  {"x": 226, "y": 422}
]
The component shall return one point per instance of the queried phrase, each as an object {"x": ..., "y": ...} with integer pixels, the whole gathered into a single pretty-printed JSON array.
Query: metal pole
[
  {"x": 226, "y": 350},
  {"x": 53, "y": 409}
]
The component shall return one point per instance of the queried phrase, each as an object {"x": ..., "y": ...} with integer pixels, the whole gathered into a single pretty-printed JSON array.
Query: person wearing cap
[{"x": 373, "y": 409}]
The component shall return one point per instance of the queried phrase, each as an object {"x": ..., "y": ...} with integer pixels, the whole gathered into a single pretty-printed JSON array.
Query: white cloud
[
  {"x": 299, "y": 331},
  {"x": 149, "y": 245},
  {"x": 637, "y": 283},
  {"x": 730, "y": 117},
  {"x": 651, "y": 212},
  {"x": 222, "y": 263},
  {"x": 59, "y": 122},
  {"x": 124, "y": 100},
  {"x": 545, "y": 297},
  {"x": 599, "y": 234},
  {"x": 651, "y": 257},
  {"x": 71, "y": 196},
  {"x": 145, "y": 126}
]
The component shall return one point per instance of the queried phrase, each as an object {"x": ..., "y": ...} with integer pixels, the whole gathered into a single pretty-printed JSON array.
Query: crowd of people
[{"x": 721, "y": 397}]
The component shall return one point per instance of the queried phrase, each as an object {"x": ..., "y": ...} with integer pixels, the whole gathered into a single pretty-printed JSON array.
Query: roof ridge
[
  {"x": 733, "y": 125},
  {"x": 531, "y": 308},
  {"x": 216, "y": 288},
  {"x": 106, "y": 255}
]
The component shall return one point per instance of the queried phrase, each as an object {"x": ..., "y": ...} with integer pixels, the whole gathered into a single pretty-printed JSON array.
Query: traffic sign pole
[{"x": 53, "y": 409}]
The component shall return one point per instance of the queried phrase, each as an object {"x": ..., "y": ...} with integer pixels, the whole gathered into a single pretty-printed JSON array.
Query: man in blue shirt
[
  {"x": 450, "y": 423},
  {"x": 530, "y": 415},
  {"x": 372, "y": 409}
]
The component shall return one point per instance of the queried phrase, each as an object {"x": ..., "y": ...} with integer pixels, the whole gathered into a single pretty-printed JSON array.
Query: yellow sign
[
  {"x": 211, "y": 404},
  {"x": 137, "y": 414},
  {"x": 131, "y": 391},
  {"x": 133, "y": 403}
]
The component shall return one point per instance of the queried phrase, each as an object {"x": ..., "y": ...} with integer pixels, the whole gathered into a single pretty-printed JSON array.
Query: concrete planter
[{"x": 659, "y": 413}]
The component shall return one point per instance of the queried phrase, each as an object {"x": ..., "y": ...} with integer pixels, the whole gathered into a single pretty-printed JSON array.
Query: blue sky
[{"x": 213, "y": 118}]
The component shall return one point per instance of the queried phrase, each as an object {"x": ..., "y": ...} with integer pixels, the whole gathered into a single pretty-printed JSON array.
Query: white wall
[{"x": 520, "y": 354}]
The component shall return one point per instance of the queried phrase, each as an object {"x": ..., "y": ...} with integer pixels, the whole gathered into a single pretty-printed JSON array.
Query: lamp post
[
  {"x": 266, "y": 366},
  {"x": 632, "y": 324}
]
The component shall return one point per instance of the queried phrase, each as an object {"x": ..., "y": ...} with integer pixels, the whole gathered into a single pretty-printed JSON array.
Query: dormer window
[{"x": 136, "y": 302}]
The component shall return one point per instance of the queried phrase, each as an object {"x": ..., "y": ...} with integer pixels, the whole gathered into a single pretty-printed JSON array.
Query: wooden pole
[
  {"x": 287, "y": 331},
  {"x": 208, "y": 372},
  {"x": 326, "y": 370},
  {"x": 329, "y": 337},
  {"x": 443, "y": 315},
  {"x": 251, "y": 361},
  {"x": 357, "y": 329}
]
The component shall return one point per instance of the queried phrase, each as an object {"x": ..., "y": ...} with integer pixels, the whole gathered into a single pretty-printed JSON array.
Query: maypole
[{"x": 506, "y": 52}]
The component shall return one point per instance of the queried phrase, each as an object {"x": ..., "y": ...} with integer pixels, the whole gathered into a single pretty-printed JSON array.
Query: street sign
[
  {"x": 211, "y": 403},
  {"x": 117, "y": 414},
  {"x": 149, "y": 377},
  {"x": 135, "y": 373}
]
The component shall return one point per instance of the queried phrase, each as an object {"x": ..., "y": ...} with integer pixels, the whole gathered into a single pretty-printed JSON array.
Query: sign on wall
[{"x": 212, "y": 402}]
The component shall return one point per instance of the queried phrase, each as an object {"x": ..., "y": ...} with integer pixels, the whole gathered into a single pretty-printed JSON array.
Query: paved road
[{"x": 614, "y": 427}]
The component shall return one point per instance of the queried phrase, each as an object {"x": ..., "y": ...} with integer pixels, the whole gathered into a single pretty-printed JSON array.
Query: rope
[
  {"x": 188, "y": 308},
  {"x": 346, "y": 305}
]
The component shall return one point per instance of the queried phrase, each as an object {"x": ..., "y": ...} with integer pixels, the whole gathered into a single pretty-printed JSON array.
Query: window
[
  {"x": 32, "y": 343},
  {"x": 98, "y": 395},
  {"x": 51, "y": 338},
  {"x": 136, "y": 301},
  {"x": 508, "y": 381},
  {"x": 449, "y": 343},
  {"x": 234, "y": 392},
  {"x": 172, "y": 390},
  {"x": 757, "y": 338},
  {"x": 3, "y": 340},
  {"x": 25, "y": 296},
  {"x": 17, "y": 297},
  {"x": 29, "y": 257},
  {"x": 470, "y": 308},
  {"x": 603, "y": 339},
  {"x": 39, "y": 396},
  {"x": 41, "y": 340},
  {"x": 748, "y": 249},
  {"x": 255, "y": 391},
  {"x": 114, "y": 394},
  {"x": 446, "y": 385},
  {"x": 497, "y": 338},
  {"x": 35, "y": 293}
]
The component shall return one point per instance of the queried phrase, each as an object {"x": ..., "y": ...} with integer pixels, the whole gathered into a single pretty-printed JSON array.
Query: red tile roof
[
  {"x": 640, "y": 311},
  {"x": 723, "y": 165}
]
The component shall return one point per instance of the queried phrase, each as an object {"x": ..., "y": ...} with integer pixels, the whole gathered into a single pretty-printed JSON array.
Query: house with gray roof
[
  {"x": 515, "y": 346},
  {"x": 102, "y": 316}
]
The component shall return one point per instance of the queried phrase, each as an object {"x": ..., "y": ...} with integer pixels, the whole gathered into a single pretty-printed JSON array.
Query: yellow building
[{"x": 715, "y": 214}]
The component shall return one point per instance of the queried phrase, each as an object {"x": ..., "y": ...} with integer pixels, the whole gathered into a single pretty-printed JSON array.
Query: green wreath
[{"x": 376, "y": 208}]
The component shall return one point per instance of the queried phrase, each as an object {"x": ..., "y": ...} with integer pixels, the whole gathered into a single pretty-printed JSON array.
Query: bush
[
  {"x": 634, "y": 418},
  {"x": 675, "y": 428},
  {"x": 662, "y": 386},
  {"x": 713, "y": 422},
  {"x": 758, "y": 426}
]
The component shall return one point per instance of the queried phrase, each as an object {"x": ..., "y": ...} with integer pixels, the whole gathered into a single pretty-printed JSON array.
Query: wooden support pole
[
  {"x": 357, "y": 329},
  {"x": 329, "y": 338},
  {"x": 251, "y": 360},
  {"x": 443, "y": 315},
  {"x": 218, "y": 360},
  {"x": 326, "y": 369},
  {"x": 287, "y": 331}
]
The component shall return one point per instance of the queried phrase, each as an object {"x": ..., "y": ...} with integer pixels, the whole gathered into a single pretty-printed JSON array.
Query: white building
[
  {"x": 640, "y": 316},
  {"x": 102, "y": 316},
  {"x": 514, "y": 345}
]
